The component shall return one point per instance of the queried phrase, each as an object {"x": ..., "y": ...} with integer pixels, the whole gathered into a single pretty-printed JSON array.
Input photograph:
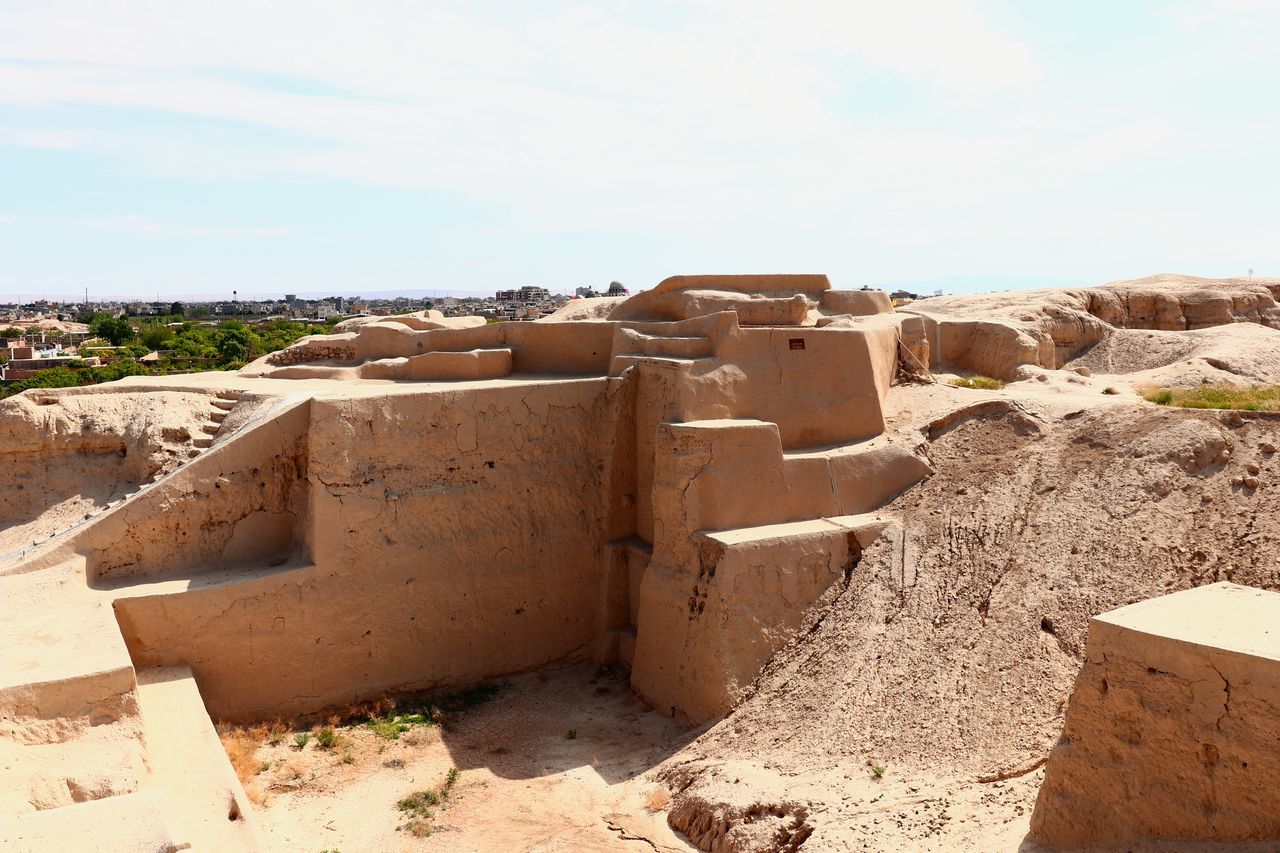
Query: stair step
[
  {"x": 230, "y": 395},
  {"x": 224, "y": 405},
  {"x": 765, "y": 532},
  {"x": 670, "y": 346},
  {"x": 144, "y": 816},
  {"x": 868, "y": 475},
  {"x": 866, "y": 526},
  {"x": 189, "y": 763},
  {"x": 211, "y": 429},
  {"x": 217, "y": 417},
  {"x": 443, "y": 366},
  {"x": 202, "y": 442}
]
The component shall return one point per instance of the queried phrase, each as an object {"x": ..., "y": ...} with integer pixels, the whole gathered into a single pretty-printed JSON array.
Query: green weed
[
  {"x": 1254, "y": 398},
  {"x": 419, "y": 806}
]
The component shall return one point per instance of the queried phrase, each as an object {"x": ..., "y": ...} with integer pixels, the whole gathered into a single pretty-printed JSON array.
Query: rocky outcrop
[
  {"x": 996, "y": 333},
  {"x": 736, "y": 808}
]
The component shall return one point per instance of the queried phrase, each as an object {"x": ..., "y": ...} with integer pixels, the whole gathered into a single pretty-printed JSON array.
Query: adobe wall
[
  {"x": 1171, "y": 729},
  {"x": 454, "y": 536},
  {"x": 745, "y": 539},
  {"x": 233, "y": 503}
]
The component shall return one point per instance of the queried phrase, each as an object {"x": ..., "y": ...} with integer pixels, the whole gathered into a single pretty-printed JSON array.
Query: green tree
[
  {"x": 233, "y": 343},
  {"x": 54, "y": 377},
  {"x": 176, "y": 309},
  {"x": 114, "y": 329},
  {"x": 157, "y": 336}
]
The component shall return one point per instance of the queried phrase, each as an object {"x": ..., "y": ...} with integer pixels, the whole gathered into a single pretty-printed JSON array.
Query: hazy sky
[{"x": 195, "y": 148}]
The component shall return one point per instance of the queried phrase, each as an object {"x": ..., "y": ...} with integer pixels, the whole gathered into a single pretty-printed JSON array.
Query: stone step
[
  {"x": 866, "y": 526},
  {"x": 143, "y": 820},
  {"x": 671, "y": 346},
  {"x": 443, "y": 366},
  {"x": 211, "y": 429},
  {"x": 206, "y": 441},
  {"x": 230, "y": 395},
  {"x": 867, "y": 475},
  {"x": 189, "y": 764},
  {"x": 218, "y": 416},
  {"x": 224, "y": 405}
]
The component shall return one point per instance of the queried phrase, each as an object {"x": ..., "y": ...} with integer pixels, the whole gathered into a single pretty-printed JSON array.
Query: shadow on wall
[{"x": 34, "y": 485}]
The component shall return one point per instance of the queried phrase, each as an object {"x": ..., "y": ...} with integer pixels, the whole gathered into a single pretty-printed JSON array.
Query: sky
[{"x": 180, "y": 150}]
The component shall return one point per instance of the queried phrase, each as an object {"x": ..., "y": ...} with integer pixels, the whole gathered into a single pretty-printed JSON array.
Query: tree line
[{"x": 184, "y": 348}]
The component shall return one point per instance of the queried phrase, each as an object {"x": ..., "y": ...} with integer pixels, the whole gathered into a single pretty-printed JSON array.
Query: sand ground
[{"x": 523, "y": 784}]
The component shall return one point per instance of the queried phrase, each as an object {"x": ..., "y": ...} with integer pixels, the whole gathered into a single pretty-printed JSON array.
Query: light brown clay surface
[{"x": 753, "y": 582}]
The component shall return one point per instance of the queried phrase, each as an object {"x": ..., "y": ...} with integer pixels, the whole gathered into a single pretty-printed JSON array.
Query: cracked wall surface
[{"x": 1172, "y": 728}]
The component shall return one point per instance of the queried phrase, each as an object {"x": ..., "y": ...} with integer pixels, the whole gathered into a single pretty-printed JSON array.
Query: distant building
[
  {"x": 616, "y": 288},
  {"x": 527, "y": 295},
  {"x": 587, "y": 292}
]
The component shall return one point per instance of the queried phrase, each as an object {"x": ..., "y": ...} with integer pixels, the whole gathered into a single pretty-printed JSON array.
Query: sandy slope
[{"x": 950, "y": 655}]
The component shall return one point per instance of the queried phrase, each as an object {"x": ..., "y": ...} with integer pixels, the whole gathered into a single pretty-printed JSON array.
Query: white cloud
[
  {"x": 905, "y": 139},
  {"x": 1204, "y": 13},
  {"x": 560, "y": 115},
  {"x": 134, "y": 224}
]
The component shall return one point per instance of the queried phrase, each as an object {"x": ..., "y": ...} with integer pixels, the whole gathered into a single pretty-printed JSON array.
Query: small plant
[
  {"x": 983, "y": 383},
  {"x": 393, "y": 763},
  {"x": 301, "y": 739},
  {"x": 877, "y": 770},
  {"x": 572, "y": 734},
  {"x": 325, "y": 738},
  {"x": 264, "y": 767},
  {"x": 348, "y": 757},
  {"x": 418, "y": 806},
  {"x": 390, "y": 719}
]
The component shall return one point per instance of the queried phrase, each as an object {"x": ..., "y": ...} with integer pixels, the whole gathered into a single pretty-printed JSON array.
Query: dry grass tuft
[
  {"x": 255, "y": 794},
  {"x": 982, "y": 383},
  {"x": 1254, "y": 398},
  {"x": 657, "y": 799},
  {"x": 241, "y": 746}
]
